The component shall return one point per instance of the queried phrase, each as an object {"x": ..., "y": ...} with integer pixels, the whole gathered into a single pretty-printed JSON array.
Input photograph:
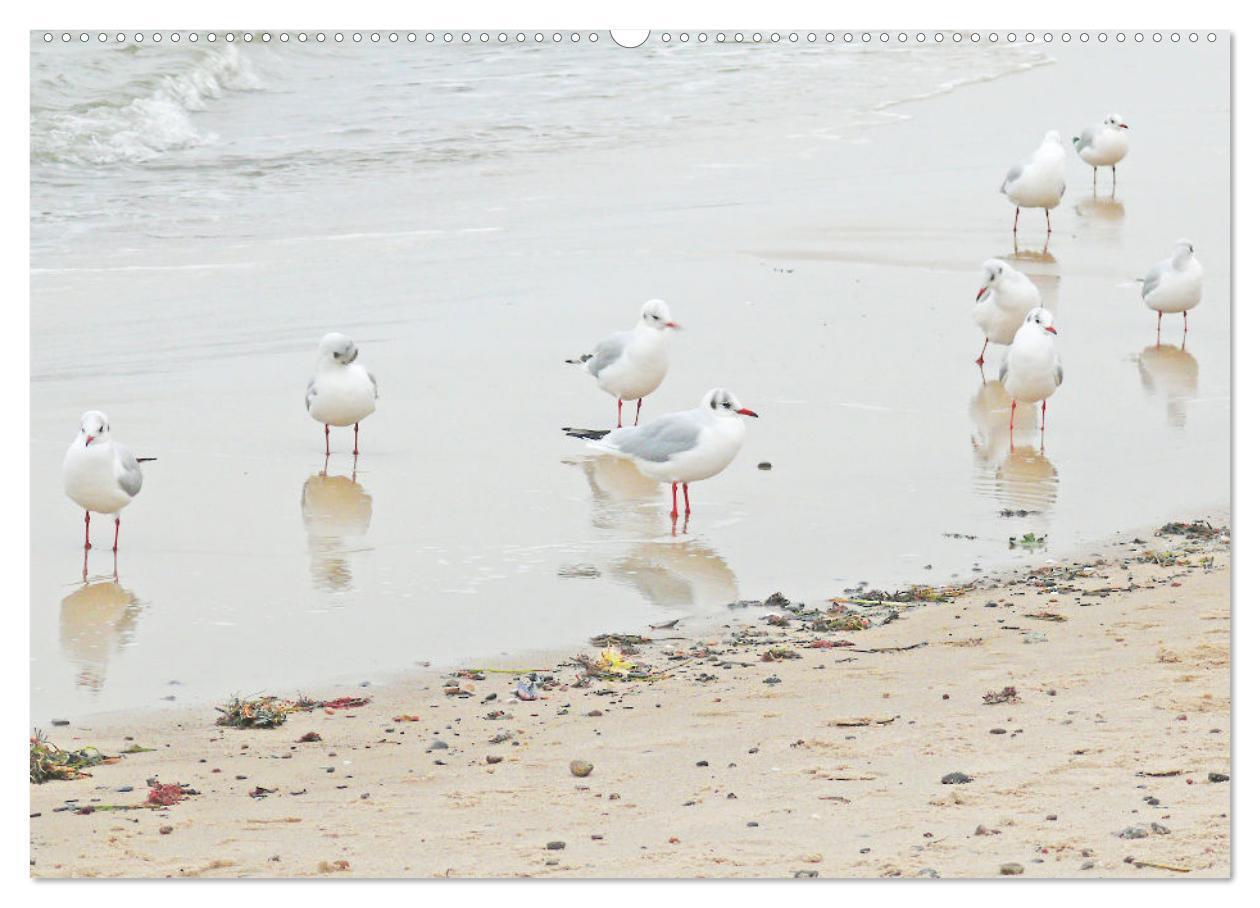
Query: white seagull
[
  {"x": 1174, "y": 285},
  {"x": 342, "y": 392},
  {"x": 630, "y": 365},
  {"x": 99, "y": 474},
  {"x": 1006, "y": 296},
  {"x": 1032, "y": 370},
  {"x": 682, "y": 448},
  {"x": 1040, "y": 181},
  {"x": 1104, "y": 146}
]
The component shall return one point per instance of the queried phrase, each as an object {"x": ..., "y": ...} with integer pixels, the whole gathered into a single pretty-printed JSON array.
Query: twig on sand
[
  {"x": 890, "y": 649},
  {"x": 1161, "y": 866}
]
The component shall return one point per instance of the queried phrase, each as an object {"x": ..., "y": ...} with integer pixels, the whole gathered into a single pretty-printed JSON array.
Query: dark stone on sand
[
  {"x": 956, "y": 778},
  {"x": 60, "y": 722},
  {"x": 493, "y": 758},
  {"x": 555, "y": 846},
  {"x": 581, "y": 768},
  {"x": 439, "y": 744},
  {"x": 764, "y": 465},
  {"x": 805, "y": 875},
  {"x": 1133, "y": 832},
  {"x": 1218, "y": 777},
  {"x": 1011, "y": 869},
  {"x": 997, "y": 731}
]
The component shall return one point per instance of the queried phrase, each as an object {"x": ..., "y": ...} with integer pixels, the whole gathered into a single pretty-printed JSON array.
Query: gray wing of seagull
[
  {"x": 310, "y": 392},
  {"x": 1152, "y": 279},
  {"x": 128, "y": 468},
  {"x": 1086, "y": 138},
  {"x": 1011, "y": 176},
  {"x": 607, "y": 352},
  {"x": 376, "y": 393},
  {"x": 660, "y": 439},
  {"x": 1058, "y": 370}
]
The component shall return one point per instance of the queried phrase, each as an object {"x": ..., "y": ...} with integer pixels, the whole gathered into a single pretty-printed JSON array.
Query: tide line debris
[
  {"x": 272, "y": 712},
  {"x": 48, "y": 761}
]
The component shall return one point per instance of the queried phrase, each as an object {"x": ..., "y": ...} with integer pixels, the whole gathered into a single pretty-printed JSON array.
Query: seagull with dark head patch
[
  {"x": 1104, "y": 146},
  {"x": 630, "y": 365},
  {"x": 100, "y": 475}
]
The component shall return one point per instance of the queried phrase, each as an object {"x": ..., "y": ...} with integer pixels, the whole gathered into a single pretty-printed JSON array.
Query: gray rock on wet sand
[
  {"x": 1011, "y": 869},
  {"x": 581, "y": 768},
  {"x": 956, "y": 778}
]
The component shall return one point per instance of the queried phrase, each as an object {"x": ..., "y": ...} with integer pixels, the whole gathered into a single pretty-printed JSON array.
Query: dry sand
[{"x": 712, "y": 771}]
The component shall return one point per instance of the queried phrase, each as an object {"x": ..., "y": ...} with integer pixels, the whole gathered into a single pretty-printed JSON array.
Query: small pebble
[
  {"x": 1011, "y": 869},
  {"x": 956, "y": 778},
  {"x": 581, "y": 768},
  {"x": 555, "y": 846}
]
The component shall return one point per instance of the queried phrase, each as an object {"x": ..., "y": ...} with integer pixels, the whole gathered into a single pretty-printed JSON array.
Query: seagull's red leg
[
  {"x": 1048, "y": 230},
  {"x": 87, "y": 530},
  {"x": 1159, "y": 326},
  {"x": 1043, "y": 417},
  {"x": 674, "y": 512},
  {"x": 1185, "y": 322},
  {"x": 636, "y": 411},
  {"x": 1012, "y": 425},
  {"x": 356, "y": 439},
  {"x": 980, "y": 359},
  {"x": 326, "y": 450},
  {"x": 1096, "y": 181},
  {"x": 618, "y": 412},
  {"x": 687, "y": 499},
  {"x": 1015, "y": 229},
  {"x": 117, "y": 526}
]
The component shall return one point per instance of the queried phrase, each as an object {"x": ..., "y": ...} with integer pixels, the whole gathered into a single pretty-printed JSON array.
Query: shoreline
[{"x": 772, "y": 748}]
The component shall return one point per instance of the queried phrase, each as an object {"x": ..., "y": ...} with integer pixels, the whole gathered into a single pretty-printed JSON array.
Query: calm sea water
[{"x": 473, "y": 215}]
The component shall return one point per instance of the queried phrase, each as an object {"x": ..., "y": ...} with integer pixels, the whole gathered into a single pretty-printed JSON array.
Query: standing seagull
[
  {"x": 100, "y": 475},
  {"x": 1040, "y": 181},
  {"x": 342, "y": 393},
  {"x": 1104, "y": 146},
  {"x": 682, "y": 447},
  {"x": 1005, "y": 298},
  {"x": 1174, "y": 285},
  {"x": 630, "y": 365},
  {"x": 1032, "y": 370}
]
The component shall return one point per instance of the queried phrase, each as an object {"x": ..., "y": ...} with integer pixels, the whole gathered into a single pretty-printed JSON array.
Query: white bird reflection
[
  {"x": 1101, "y": 208},
  {"x": 622, "y": 498},
  {"x": 1171, "y": 373},
  {"x": 336, "y": 510},
  {"x": 1046, "y": 280},
  {"x": 685, "y": 574},
  {"x": 97, "y": 619},
  {"x": 1019, "y": 477}
]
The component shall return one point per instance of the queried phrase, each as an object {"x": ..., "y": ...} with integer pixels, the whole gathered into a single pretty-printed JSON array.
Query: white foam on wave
[{"x": 139, "y": 129}]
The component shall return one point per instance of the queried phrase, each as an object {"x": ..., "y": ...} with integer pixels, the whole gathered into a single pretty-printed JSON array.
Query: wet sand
[
  {"x": 1119, "y": 662},
  {"x": 826, "y": 279}
]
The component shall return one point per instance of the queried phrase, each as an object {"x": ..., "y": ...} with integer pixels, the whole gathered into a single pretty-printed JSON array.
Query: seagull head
[
  {"x": 1115, "y": 121},
  {"x": 93, "y": 427},
  {"x": 724, "y": 403},
  {"x": 1041, "y": 316},
  {"x": 655, "y": 315},
  {"x": 338, "y": 348},
  {"x": 1183, "y": 248},
  {"x": 991, "y": 275}
]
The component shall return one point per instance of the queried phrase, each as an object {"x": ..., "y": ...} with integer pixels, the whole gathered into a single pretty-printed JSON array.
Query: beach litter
[
  {"x": 48, "y": 761},
  {"x": 271, "y": 712},
  {"x": 1007, "y": 694}
]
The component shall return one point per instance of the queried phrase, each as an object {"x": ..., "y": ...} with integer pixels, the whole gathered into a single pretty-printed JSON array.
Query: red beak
[
  {"x": 1124, "y": 125},
  {"x": 674, "y": 325},
  {"x": 747, "y": 412},
  {"x": 983, "y": 291},
  {"x": 1052, "y": 329},
  {"x": 89, "y": 440}
]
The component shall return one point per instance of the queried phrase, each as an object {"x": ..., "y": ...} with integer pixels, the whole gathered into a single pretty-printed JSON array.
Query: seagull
[
  {"x": 1174, "y": 285},
  {"x": 682, "y": 448},
  {"x": 1040, "y": 181},
  {"x": 99, "y": 474},
  {"x": 630, "y": 365},
  {"x": 1032, "y": 370},
  {"x": 342, "y": 393},
  {"x": 1104, "y": 146},
  {"x": 1005, "y": 298}
]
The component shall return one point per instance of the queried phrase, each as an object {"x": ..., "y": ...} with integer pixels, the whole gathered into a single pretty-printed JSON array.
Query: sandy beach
[{"x": 793, "y": 741}]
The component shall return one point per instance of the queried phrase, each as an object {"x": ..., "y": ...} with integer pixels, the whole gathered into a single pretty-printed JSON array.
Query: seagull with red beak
[
  {"x": 1005, "y": 298},
  {"x": 630, "y": 365},
  {"x": 1032, "y": 371},
  {"x": 99, "y": 474},
  {"x": 1104, "y": 146},
  {"x": 686, "y": 447}
]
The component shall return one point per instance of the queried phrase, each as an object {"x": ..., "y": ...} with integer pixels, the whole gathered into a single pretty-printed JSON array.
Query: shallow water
[{"x": 821, "y": 248}]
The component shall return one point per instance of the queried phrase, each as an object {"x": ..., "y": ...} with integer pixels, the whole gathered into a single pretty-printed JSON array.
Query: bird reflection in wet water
[
  {"x": 97, "y": 620},
  {"x": 1020, "y": 477},
  {"x": 1172, "y": 373},
  {"x": 335, "y": 510}
]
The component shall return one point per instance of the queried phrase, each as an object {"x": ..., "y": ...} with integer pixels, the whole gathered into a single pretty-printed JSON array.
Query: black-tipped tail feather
[{"x": 588, "y": 434}]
